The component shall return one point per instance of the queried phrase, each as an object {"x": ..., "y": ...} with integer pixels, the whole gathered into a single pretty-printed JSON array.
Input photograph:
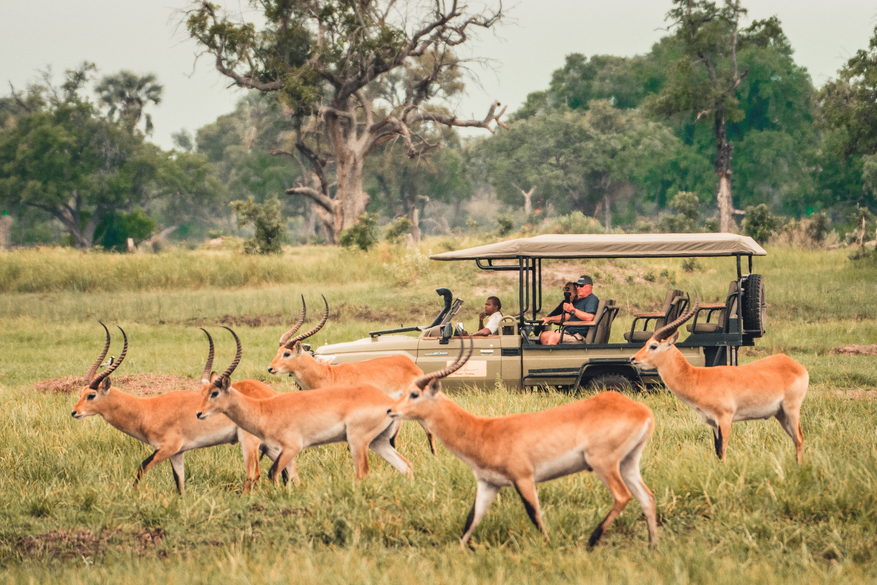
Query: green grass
[{"x": 68, "y": 513}]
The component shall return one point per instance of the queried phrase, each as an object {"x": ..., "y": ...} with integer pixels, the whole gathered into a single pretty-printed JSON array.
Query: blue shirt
[{"x": 588, "y": 304}]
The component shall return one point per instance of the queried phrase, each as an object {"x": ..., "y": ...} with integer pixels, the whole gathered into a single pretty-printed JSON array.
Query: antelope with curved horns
[
  {"x": 770, "y": 387},
  {"x": 605, "y": 434},
  {"x": 167, "y": 422},
  {"x": 295, "y": 421},
  {"x": 392, "y": 374}
]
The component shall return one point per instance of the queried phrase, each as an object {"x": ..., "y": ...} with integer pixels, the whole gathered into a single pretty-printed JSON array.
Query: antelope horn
[
  {"x": 304, "y": 311},
  {"x": 668, "y": 329},
  {"x": 461, "y": 360},
  {"x": 205, "y": 376},
  {"x": 291, "y": 343},
  {"x": 237, "y": 359},
  {"x": 103, "y": 375},
  {"x": 93, "y": 369}
]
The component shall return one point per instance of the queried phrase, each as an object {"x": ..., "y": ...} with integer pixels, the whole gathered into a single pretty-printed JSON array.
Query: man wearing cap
[{"x": 582, "y": 306}]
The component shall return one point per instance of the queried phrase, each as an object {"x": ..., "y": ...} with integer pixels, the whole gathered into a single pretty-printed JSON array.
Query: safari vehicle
[{"x": 515, "y": 355}]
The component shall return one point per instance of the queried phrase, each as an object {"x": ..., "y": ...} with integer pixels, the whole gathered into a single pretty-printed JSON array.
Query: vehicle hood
[{"x": 383, "y": 344}]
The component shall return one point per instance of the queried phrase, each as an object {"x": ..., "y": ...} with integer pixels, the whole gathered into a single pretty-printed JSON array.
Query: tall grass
[{"x": 756, "y": 517}]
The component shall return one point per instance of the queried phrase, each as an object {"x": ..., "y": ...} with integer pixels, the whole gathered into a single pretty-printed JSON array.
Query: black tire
[
  {"x": 611, "y": 381},
  {"x": 754, "y": 313}
]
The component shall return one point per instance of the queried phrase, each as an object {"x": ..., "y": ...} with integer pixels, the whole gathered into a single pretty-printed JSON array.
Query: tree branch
[
  {"x": 447, "y": 120},
  {"x": 247, "y": 81},
  {"x": 317, "y": 197}
]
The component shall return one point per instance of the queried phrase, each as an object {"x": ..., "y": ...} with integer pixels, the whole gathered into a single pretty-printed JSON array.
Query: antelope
[
  {"x": 295, "y": 421},
  {"x": 605, "y": 434},
  {"x": 392, "y": 374},
  {"x": 770, "y": 387},
  {"x": 167, "y": 422}
]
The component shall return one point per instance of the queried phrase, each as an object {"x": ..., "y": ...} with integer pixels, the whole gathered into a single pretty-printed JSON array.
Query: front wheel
[{"x": 611, "y": 381}]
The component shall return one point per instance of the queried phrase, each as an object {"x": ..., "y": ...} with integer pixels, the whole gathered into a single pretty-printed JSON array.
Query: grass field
[{"x": 68, "y": 513}]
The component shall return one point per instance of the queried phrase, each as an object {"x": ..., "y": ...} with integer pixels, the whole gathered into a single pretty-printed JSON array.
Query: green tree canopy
[
  {"x": 59, "y": 155},
  {"x": 127, "y": 94},
  {"x": 586, "y": 161}
]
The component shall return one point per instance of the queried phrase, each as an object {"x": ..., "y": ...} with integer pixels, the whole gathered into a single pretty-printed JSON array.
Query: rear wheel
[
  {"x": 754, "y": 313},
  {"x": 611, "y": 381}
]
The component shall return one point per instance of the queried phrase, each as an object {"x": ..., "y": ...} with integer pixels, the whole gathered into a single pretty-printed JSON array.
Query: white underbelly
[
  {"x": 334, "y": 434},
  {"x": 491, "y": 477},
  {"x": 221, "y": 437},
  {"x": 759, "y": 411},
  {"x": 570, "y": 462}
]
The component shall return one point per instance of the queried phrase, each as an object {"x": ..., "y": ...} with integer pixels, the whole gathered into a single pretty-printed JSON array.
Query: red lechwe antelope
[
  {"x": 295, "y": 421},
  {"x": 167, "y": 422},
  {"x": 392, "y": 374},
  {"x": 770, "y": 387},
  {"x": 605, "y": 434}
]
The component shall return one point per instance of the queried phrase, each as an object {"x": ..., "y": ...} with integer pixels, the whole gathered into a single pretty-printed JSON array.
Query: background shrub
[
  {"x": 364, "y": 234},
  {"x": 268, "y": 222}
]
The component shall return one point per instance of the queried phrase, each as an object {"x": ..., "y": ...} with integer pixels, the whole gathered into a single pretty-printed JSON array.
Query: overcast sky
[{"x": 142, "y": 36}]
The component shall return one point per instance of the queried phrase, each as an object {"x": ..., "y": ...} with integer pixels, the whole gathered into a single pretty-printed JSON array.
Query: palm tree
[{"x": 128, "y": 93}]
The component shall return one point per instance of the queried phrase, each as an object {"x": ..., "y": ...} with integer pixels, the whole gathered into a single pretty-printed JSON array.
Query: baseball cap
[{"x": 584, "y": 279}]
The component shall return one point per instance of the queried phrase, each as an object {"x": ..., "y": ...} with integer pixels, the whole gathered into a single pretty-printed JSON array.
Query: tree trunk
[
  {"x": 414, "y": 218},
  {"x": 5, "y": 231},
  {"x": 528, "y": 199},
  {"x": 607, "y": 212},
  {"x": 724, "y": 150},
  {"x": 83, "y": 238},
  {"x": 353, "y": 200}
]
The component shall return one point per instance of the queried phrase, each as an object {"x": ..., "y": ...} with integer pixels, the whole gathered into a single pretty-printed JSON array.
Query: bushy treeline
[{"x": 717, "y": 127}]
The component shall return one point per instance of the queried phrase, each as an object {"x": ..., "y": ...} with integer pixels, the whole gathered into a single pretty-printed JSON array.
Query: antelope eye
[
  {"x": 214, "y": 394},
  {"x": 91, "y": 397},
  {"x": 286, "y": 354},
  {"x": 653, "y": 346},
  {"x": 414, "y": 395}
]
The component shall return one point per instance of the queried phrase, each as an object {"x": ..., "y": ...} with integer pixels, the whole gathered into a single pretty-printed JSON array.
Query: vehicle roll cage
[{"x": 529, "y": 271}]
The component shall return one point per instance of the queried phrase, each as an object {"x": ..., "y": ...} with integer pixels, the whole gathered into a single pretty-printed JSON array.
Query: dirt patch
[
  {"x": 854, "y": 350},
  {"x": 414, "y": 315},
  {"x": 411, "y": 316},
  {"x": 139, "y": 385},
  {"x": 754, "y": 352},
  {"x": 75, "y": 544},
  {"x": 245, "y": 320},
  {"x": 857, "y": 394},
  {"x": 284, "y": 512}
]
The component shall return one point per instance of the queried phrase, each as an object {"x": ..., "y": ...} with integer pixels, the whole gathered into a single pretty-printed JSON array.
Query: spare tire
[{"x": 754, "y": 306}]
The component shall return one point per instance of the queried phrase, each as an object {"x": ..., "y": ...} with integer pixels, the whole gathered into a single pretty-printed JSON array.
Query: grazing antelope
[
  {"x": 297, "y": 420},
  {"x": 605, "y": 434},
  {"x": 167, "y": 422},
  {"x": 392, "y": 374},
  {"x": 770, "y": 387}
]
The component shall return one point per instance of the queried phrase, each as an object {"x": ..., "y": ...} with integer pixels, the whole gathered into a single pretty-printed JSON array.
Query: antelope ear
[
  {"x": 225, "y": 384},
  {"x": 105, "y": 385},
  {"x": 213, "y": 377},
  {"x": 434, "y": 388},
  {"x": 296, "y": 350},
  {"x": 673, "y": 338}
]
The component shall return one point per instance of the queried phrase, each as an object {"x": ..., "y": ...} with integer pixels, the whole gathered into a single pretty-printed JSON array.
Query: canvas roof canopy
[{"x": 611, "y": 246}]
